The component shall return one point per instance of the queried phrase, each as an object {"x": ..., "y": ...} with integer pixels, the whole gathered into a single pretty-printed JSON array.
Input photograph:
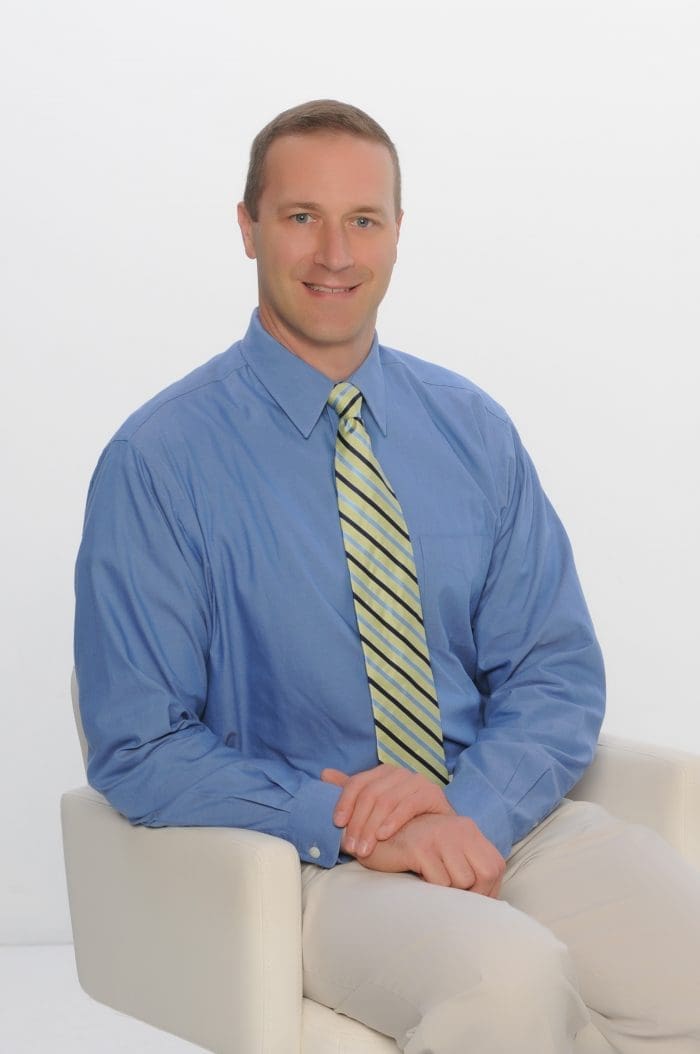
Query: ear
[
  {"x": 246, "y": 225},
  {"x": 399, "y": 217},
  {"x": 398, "y": 224}
]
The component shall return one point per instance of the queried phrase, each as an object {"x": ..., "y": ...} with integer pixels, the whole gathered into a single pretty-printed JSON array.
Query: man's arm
[
  {"x": 145, "y": 612},
  {"x": 539, "y": 671}
]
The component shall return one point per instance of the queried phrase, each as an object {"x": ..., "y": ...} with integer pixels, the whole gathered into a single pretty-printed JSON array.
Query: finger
[
  {"x": 376, "y": 799},
  {"x": 334, "y": 776},
  {"x": 462, "y": 874},
  {"x": 406, "y": 809},
  {"x": 495, "y": 890},
  {"x": 487, "y": 873},
  {"x": 482, "y": 883},
  {"x": 433, "y": 870},
  {"x": 419, "y": 797},
  {"x": 401, "y": 796},
  {"x": 376, "y": 778},
  {"x": 358, "y": 833},
  {"x": 351, "y": 789},
  {"x": 501, "y": 870}
]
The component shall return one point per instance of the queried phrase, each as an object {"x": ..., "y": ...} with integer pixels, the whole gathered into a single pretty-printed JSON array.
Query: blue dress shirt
[{"x": 217, "y": 651}]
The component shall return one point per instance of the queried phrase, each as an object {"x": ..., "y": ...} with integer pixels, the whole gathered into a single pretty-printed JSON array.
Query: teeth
[{"x": 329, "y": 289}]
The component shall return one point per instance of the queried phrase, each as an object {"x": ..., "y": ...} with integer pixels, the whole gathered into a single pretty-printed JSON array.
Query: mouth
[{"x": 330, "y": 290}]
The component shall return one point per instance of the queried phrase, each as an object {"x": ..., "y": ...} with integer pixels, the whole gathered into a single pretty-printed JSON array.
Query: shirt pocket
[{"x": 451, "y": 571}]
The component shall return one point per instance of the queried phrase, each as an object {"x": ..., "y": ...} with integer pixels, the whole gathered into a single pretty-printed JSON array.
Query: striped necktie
[{"x": 387, "y": 599}]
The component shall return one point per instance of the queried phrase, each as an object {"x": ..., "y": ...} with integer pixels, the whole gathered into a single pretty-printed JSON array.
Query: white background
[{"x": 550, "y": 251}]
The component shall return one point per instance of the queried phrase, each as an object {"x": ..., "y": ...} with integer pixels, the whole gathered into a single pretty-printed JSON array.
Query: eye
[
  {"x": 364, "y": 222},
  {"x": 301, "y": 218}
]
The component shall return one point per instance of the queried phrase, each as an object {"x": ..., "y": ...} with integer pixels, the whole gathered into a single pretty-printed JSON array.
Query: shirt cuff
[
  {"x": 470, "y": 794},
  {"x": 311, "y": 827}
]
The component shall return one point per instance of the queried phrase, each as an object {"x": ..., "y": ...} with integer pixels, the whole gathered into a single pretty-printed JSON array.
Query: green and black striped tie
[{"x": 387, "y": 599}]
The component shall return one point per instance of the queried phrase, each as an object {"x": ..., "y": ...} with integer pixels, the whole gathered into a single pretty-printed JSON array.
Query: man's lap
[
  {"x": 626, "y": 905},
  {"x": 611, "y": 903}
]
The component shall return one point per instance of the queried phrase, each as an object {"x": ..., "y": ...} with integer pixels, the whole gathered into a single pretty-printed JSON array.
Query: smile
[{"x": 334, "y": 290}]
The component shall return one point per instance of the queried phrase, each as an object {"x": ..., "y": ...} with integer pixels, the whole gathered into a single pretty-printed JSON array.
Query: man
[{"x": 321, "y": 594}]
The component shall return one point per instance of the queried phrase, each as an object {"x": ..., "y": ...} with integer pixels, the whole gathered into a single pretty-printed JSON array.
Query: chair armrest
[
  {"x": 196, "y": 930},
  {"x": 641, "y": 783}
]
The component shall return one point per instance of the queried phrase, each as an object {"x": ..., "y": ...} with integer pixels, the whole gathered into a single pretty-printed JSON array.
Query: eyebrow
[{"x": 313, "y": 206}]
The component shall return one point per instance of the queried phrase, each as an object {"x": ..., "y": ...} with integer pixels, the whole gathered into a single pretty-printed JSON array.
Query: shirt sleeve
[
  {"x": 539, "y": 672},
  {"x": 144, "y": 614}
]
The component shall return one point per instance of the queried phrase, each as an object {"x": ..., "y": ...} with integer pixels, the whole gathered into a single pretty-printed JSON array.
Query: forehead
[{"x": 331, "y": 168}]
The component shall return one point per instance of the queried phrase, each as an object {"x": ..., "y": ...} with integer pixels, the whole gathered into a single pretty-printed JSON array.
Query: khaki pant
[{"x": 592, "y": 947}]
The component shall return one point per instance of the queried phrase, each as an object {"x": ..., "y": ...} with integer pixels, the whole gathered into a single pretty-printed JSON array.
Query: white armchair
[{"x": 197, "y": 930}]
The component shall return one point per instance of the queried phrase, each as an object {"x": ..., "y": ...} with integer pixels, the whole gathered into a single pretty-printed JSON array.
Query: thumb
[{"x": 334, "y": 776}]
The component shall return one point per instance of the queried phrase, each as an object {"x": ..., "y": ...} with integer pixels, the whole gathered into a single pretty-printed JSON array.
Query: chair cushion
[{"x": 324, "y": 1031}]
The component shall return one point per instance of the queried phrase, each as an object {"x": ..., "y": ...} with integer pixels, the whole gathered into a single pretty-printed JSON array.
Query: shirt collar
[{"x": 299, "y": 389}]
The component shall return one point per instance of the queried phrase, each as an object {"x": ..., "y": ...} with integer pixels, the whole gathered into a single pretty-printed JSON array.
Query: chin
[
  {"x": 328, "y": 333},
  {"x": 332, "y": 339}
]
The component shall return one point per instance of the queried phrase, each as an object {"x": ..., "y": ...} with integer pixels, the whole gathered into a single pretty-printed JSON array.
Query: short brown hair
[{"x": 319, "y": 115}]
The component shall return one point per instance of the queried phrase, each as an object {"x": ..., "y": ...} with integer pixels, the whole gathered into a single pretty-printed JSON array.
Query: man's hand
[
  {"x": 377, "y": 803},
  {"x": 445, "y": 851}
]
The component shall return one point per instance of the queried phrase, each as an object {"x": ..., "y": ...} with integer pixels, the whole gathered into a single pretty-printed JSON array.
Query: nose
[{"x": 333, "y": 248}]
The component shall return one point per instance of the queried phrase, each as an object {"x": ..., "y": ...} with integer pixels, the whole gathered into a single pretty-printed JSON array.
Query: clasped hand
[{"x": 398, "y": 820}]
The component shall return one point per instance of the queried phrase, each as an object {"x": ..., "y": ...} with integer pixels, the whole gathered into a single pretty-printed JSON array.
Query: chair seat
[{"x": 323, "y": 1031}]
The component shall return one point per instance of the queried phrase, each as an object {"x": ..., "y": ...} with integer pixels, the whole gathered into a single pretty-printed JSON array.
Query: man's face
[{"x": 325, "y": 244}]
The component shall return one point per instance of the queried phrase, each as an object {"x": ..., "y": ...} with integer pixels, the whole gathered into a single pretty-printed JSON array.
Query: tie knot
[{"x": 346, "y": 400}]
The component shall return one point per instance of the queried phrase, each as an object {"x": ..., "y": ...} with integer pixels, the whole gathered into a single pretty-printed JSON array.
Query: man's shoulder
[
  {"x": 441, "y": 384},
  {"x": 184, "y": 402}
]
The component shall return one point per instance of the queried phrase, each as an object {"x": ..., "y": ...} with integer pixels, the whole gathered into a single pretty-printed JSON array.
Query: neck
[{"x": 335, "y": 361}]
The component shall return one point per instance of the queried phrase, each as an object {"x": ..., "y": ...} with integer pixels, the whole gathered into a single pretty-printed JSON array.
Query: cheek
[
  {"x": 275, "y": 262},
  {"x": 298, "y": 266},
  {"x": 383, "y": 264}
]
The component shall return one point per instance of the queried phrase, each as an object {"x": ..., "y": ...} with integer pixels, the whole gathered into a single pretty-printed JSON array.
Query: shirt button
[{"x": 315, "y": 852}]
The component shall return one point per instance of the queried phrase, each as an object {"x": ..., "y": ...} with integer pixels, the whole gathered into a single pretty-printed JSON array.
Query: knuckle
[
  {"x": 498, "y": 864},
  {"x": 496, "y": 871}
]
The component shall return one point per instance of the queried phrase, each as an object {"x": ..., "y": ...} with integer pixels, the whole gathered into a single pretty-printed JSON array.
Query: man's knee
[{"x": 524, "y": 998}]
